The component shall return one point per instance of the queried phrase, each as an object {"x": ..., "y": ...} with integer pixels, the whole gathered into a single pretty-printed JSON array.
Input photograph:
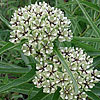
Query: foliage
[{"x": 17, "y": 70}]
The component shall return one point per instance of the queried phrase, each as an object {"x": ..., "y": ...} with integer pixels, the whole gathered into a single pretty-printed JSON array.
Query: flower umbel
[
  {"x": 40, "y": 24},
  {"x": 56, "y": 75}
]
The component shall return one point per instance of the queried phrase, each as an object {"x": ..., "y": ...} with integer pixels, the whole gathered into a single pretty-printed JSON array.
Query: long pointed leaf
[
  {"x": 14, "y": 70},
  {"x": 5, "y": 21},
  {"x": 92, "y": 95},
  {"x": 87, "y": 47},
  {"x": 86, "y": 3},
  {"x": 56, "y": 95},
  {"x": 9, "y": 46},
  {"x": 95, "y": 28},
  {"x": 89, "y": 39},
  {"x": 26, "y": 78},
  {"x": 39, "y": 96},
  {"x": 91, "y": 5},
  {"x": 25, "y": 88}
]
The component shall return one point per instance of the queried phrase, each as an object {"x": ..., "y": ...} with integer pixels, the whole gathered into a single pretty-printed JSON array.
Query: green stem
[{"x": 67, "y": 68}]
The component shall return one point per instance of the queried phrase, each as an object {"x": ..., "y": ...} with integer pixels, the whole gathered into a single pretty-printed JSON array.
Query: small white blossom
[
  {"x": 38, "y": 80},
  {"x": 40, "y": 23},
  {"x": 67, "y": 92},
  {"x": 56, "y": 75},
  {"x": 49, "y": 86},
  {"x": 62, "y": 79}
]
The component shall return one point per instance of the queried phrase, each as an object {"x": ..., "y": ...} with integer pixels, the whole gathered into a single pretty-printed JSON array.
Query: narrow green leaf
[
  {"x": 2, "y": 43},
  {"x": 67, "y": 68},
  {"x": 39, "y": 96},
  {"x": 25, "y": 89},
  {"x": 92, "y": 96},
  {"x": 90, "y": 5},
  {"x": 96, "y": 89},
  {"x": 94, "y": 53},
  {"x": 95, "y": 28},
  {"x": 9, "y": 46},
  {"x": 25, "y": 78},
  {"x": 64, "y": 44},
  {"x": 6, "y": 79},
  {"x": 4, "y": 35},
  {"x": 9, "y": 3},
  {"x": 86, "y": 3},
  {"x": 96, "y": 61},
  {"x": 24, "y": 58},
  {"x": 82, "y": 19},
  {"x": 60, "y": 98},
  {"x": 84, "y": 46},
  {"x": 65, "y": 4},
  {"x": 89, "y": 39},
  {"x": 7, "y": 65},
  {"x": 6, "y": 47},
  {"x": 56, "y": 95},
  {"x": 5, "y": 21},
  {"x": 48, "y": 97},
  {"x": 14, "y": 70},
  {"x": 61, "y": 2},
  {"x": 29, "y": 93}
]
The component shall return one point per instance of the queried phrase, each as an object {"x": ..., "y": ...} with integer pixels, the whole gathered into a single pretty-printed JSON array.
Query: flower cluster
[
  {"x": 40, "y": 24},
  {"x": 51, "y": 74}
]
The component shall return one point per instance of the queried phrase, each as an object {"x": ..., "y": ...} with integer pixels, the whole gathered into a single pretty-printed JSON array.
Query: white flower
[
  {"x": 40, "y": 23},
  {"x": 50, "y": 71},
  {"x": 67, "y": 92},
  {"x": 28, "y": 49},
  {"x": 76, "y": 58},
  {"x": 49, "y": 86},
  {"x": 39, "y": 80},
  {"x": 41, "y": 67},
  {"x": 62, "y": 79}
]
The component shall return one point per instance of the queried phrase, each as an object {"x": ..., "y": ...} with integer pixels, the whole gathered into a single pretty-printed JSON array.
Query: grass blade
[
  {"x": 56, "y": 95},
  {"x": 89, "y": 39},
  {"x": 5, "y": 21},
  {"x": 26, "y": 78},
  {"x": 9, "y": 46},
  {"x": 95, "y": 28},
  {"x": 92, "y": 96},
  {"x": 96, "y": 89},
  {"x": 87, "y": 47},
  {"x": 39, "y": 96},
  {"x": 67, "y": 68},
  {"x": 25, "y": 88},
  {"x": 8, "y": 65},
  {"x": 86, "y": 3},
  {"x": 6, "y": 47},
  {"x": 94, "y": 53},
  {"x": 96, "y": 61},
  {"x": 14, "y": 70},
  {"x": 91, "y": 5}
]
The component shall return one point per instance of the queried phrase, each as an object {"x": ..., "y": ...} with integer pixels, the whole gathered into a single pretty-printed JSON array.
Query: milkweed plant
[{"x": 40, "y": 24}]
